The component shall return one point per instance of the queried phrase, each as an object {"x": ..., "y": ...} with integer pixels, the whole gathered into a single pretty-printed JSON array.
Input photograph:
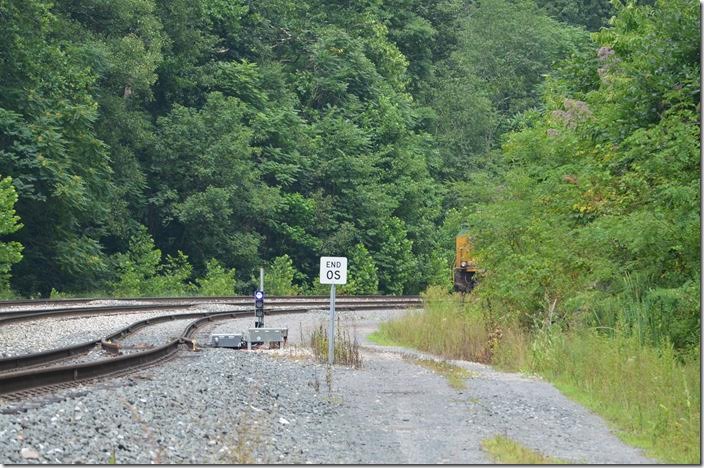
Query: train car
[{"x": 465, "y": 267}]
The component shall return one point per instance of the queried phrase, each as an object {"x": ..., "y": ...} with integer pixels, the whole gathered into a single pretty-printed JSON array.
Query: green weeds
[
  {"x": 455, "y": 375},
  {"x": 346, "y": 347},
  {"x": 650, "y": 394},
  {"x": 651, "y": 397},
  {"x": 504, "y": 450},
  {"x": 446, "y": 327}
]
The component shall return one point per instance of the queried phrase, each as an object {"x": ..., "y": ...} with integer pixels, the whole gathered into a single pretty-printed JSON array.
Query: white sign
[{"x": 333, "y": 270}]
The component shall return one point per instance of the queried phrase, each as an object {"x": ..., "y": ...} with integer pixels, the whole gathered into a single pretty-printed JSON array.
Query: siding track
[{"x": 19, "y": 374}]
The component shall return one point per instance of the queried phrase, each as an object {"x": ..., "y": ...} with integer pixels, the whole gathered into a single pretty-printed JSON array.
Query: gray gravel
[
  {"x": 49, "y": 333},
  {"x": 227, "y": 406},
  {"x": 155, "y": 335},
  {"x": 96, "y": 303}
]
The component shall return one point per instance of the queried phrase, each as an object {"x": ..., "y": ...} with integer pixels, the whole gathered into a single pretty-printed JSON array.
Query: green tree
[
  {"x": 504, "y": 50},
  {"x": 218, "y": 280},
  {"x": 593, "y": 214},
  {"x": 394, "y": 258},
  {"x": 49, "y": 146},
  {"x": 10, "y": 252},
  {"x": 592, "y": 14},
  {"x": 279, "y": 277},
  {"x": 362, "y": 275},
  {"x": 140, "y": 271}
]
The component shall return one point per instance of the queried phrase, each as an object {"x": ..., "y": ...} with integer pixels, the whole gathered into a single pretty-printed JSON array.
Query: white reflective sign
[{"x": 333, "y": 270}]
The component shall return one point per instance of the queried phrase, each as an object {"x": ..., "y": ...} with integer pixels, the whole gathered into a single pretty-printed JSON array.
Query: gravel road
[{"x": 277, "y": 406}]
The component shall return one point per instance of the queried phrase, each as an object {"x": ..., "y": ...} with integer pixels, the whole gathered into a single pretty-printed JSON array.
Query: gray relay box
[
  {"x": 226, "y": 340},
  {"x": 267, "y": 335}
]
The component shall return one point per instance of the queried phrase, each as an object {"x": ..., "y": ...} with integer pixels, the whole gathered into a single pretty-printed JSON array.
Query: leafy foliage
[
  {"x": 362, "y": 277},
  {"x": 141, "y": 272},
  {"x": 279, "y": 278},
  {"x": 218, "y": 281},
  {"x": 596, "y": 217},
  {"x": 10, "y": 252},
  {"x": 226, "y": 135}
]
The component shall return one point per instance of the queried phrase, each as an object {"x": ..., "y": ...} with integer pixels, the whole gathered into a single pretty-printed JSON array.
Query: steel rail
[
  {"x": 23, "y": 315},
  {"x": 45, "y": 357},
  {"x": 20, "y": 380},
  {"x": 26, "y": 379},
  {"x": 176, "y": 299}
]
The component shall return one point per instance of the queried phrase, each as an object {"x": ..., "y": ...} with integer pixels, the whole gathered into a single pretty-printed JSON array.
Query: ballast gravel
[
  {"x": 277, "y": 406},
  {"x": 49, "y": 333}
]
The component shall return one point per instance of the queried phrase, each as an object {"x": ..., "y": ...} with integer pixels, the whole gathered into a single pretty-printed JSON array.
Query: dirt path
[{"x": 405, "y": 413}]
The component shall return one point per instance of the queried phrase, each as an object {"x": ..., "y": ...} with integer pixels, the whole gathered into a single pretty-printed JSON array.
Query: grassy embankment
[{"x": 649, "y": 395}]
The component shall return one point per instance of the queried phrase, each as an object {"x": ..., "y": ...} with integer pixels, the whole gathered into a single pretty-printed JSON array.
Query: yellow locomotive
[{"x": 465, "y": 268}]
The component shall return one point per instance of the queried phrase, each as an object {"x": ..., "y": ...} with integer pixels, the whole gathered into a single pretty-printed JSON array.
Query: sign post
[{"x": 333, "y": 271}]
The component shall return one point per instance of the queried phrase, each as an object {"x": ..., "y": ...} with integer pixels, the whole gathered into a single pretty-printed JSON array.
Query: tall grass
[
  {"x": 446, "y": 327},
  {"x": 650, "y": 394},
  {"x": 346, "y": 347}
]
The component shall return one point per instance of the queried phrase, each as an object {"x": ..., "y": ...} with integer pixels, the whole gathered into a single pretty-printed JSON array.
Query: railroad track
[
  {"x": 18, "y": 315},
  {"x": 19, "y": 375},
  {"x": 57, "y": 303}
]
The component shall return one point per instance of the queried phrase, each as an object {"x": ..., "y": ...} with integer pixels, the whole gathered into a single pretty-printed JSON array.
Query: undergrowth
[
  {"x": 650, "y": 395},
  {"x": 445, "y": 327}
]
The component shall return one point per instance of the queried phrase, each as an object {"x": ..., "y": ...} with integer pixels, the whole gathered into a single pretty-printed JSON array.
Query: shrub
[
  {"x": 140, "y": 272},
  {"x": 218, "y": 280},
  {"x": 362, "y": 277},
  {"x": 278, "y": 278}
]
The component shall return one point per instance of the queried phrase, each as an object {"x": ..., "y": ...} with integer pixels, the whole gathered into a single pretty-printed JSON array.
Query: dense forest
[{"x": 164, "y": 146}]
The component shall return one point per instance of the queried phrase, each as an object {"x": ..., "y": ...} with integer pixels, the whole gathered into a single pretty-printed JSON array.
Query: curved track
[{"x": 16, "y": 375}]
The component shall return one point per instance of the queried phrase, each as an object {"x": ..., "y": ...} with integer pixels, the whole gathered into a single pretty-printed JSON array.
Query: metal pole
[
  {"x": 259, "y": 321},
  {"x": 331, "y": 328}
]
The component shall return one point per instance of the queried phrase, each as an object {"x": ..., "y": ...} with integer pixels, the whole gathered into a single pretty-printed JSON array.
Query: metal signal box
[
  {"x": 226, "y": 340},
  {"x": 267, "y": 335}
]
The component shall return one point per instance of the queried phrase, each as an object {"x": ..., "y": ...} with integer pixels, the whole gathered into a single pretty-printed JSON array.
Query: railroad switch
[
  {"x": 227, "y": 340},
  {"x": 192, "y": 343}
]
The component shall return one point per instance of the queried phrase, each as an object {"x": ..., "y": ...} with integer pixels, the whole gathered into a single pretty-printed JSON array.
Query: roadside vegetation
[
  {"x": 454, "y": 374},
  {"x": 586, "y": 222},
  {"x": 507, "y": 451},
  {"x": 346, "y": 347},
  {"x": 155, "y": 147},
  {"x": 650, "y": 394}
]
